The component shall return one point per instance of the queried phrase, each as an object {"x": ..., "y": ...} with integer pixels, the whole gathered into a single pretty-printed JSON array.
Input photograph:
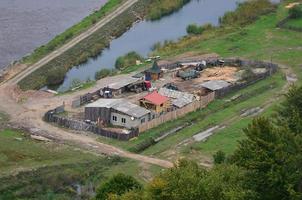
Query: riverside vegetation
[{"x": 53, "y": 73}]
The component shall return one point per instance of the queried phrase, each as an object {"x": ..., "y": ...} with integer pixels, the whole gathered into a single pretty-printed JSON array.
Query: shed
[
  {"x": 154, "y": 73},
  {"x": 118, "y": 112},
  {"x": 129, "y": 115},
  {"x": 120, "y": 86},
  {"x": 220, "y": 87},
  {"x": 156, "y": 102},
  {"x": 100, "y": 110}
]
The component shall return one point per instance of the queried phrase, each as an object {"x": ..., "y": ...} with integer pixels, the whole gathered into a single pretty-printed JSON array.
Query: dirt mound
[
  {"x": 18, "y": 95},
  {"x": 219, "y": 73}
]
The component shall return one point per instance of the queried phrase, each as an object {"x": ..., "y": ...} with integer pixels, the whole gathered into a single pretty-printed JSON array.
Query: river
[
  {"x": 28, "y": 24},
  {"x": 143, "y": 35}
]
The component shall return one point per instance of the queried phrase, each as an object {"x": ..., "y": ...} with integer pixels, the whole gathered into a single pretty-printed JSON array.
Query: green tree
[
  {"x": 103, "y": 73},
  {"x": 272, "y": 157},
  {"x": 290, "y": 111},
  {"x": 219, "y": 157},
  {"x": 295, "y": 12},
  {"x": 183, "y": 182},
  {"x": 117, "y": 185},
  {"x": 127, "y": 60},
  {"x": 193, "y": 29}
]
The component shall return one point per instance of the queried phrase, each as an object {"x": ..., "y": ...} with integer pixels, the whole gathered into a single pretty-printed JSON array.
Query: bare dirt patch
[
  {"x": 291, "y": 5},
  {"x": 225, "y": 73}
]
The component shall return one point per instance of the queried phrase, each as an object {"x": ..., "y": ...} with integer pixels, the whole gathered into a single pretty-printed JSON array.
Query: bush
[
  {"x": 127, "y": 60},
  {"x": 219, "y": 157},
  {"x": 117, "y": 185},
  {"x": 145, "y": 144},
  {"x": 295, "y": 12},
  {"x": 55, "y": 76},
  {"x": 103, "y": 73},
  {"x": 194, "y": 29},
  {"x": 247, "y": 12},
  {"x": 160, "y": 8}
]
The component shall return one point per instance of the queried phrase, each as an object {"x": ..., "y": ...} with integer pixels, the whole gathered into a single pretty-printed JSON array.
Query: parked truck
[{"x": 188, "y": 74}]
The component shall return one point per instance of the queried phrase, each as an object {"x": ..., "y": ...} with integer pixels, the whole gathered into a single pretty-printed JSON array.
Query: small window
[
  {"x": 124, "y": 120},
  {"x": 114, "y": 118},
  {"x": 161, "y": 105},
  {"x": 143, "y": 120}
]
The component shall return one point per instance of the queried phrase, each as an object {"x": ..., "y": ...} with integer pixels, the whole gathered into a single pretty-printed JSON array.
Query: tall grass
[
  {"x": 247, "y": 12},
  {"x": 160, "y": 8}
]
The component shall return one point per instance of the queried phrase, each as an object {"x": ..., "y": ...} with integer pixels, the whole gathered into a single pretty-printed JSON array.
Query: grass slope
[{"x": 39, "y": 170}]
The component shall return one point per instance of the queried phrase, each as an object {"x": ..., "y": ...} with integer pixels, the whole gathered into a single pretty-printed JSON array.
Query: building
[
  {"x": 117, "y": 112},
  {"x": 178, "y": 99},
  {"x": 219, "y": 87},
  {"x": 129, "y": 115},
  {"x": 156, "y": 102},
  {"x": 120, "y": 86},
  {"x": 154, "y": 73},
  {"x": 100, "y": 110}
]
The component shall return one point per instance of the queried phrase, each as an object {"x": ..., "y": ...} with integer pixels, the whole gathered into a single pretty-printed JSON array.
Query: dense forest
[{"x": 266, "y": 165}]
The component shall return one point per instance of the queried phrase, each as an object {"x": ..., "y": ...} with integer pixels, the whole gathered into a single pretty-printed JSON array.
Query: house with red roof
[{"x": 156, "y": 102}]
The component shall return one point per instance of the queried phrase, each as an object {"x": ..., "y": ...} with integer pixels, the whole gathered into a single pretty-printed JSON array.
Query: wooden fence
[
  {"x": 204, "y": 101},
  {"x": 53, "y": 117}
]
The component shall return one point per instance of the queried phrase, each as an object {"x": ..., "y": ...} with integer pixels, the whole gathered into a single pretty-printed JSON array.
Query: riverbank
[{"x": 54, "y": 71}]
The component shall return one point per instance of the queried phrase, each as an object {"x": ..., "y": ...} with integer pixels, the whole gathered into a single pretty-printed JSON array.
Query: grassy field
[
  {"x": 296, "y": 23},
  {"x": 18, "y": 152},
  {"x": 227, "y": 139},
  {"x": 39, "y": 170}
]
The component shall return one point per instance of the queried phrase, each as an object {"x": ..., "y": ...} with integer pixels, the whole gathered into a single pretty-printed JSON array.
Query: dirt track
[
  {"x": 72, "y": 43},
  {"x": 27, "y": 108}
]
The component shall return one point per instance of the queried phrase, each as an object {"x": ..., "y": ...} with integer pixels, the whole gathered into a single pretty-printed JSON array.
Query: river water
[
  {"x": 143, "y": 35},
  {"x": 28, "y": 24}
]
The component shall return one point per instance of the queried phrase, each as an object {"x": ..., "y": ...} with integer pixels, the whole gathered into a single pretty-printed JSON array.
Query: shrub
[
  {"x": 194, "y": 29},
  {"x": 247, "y": 12},
  {"x": 219, "y": 157},
  {"x": 148, "y": 142},
  {"x": 127, "y": 60},
  {"x": 295, "y": 12},
  {"x": 160, "y": 8},
  {"x": 103, "y": 73},
  {"x": 55, "y": 76},
  {"x": 117, "y": 185}
]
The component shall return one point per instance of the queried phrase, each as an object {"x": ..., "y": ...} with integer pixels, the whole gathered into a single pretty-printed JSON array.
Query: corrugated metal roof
[
  {"x": 180, "y": 99},
  {"x": 120, "y": 105},
  {"x": 131, "y": 109},
  {"x": 123, "y": 82},
  {"x": 105, "y": 103},
  {"x": 215, "y": 84}
]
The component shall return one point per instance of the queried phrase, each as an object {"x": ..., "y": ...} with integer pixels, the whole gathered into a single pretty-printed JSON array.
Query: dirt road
[
  {"x": 27, "y": 108},
  {"x": 72, "y": 43}
]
